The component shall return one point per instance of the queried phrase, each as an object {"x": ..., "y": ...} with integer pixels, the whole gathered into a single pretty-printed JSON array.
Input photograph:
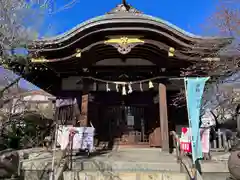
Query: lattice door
[{"x": 127, "y": 124}]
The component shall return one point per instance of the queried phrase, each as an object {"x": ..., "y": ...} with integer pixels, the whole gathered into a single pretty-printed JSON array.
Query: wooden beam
[{"x": 163, "y": 117}]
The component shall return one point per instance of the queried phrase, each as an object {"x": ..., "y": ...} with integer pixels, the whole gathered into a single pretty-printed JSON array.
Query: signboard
[{"x": 130, "y": 120}]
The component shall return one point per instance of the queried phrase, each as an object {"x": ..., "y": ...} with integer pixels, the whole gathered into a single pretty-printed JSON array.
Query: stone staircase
[
  {"x": 119, "y": 164},
  {"x": 127, "y": 164}
]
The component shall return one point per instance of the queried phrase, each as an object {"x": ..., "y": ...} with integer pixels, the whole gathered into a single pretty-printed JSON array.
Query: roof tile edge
[{"x": 110, "y": 16}]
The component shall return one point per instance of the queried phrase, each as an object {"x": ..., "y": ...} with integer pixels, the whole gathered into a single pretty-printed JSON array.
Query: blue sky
[{"x": 190, "y": 15}]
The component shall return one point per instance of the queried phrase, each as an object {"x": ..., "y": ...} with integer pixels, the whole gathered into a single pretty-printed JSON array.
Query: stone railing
[{"x": 221, "y": 143}]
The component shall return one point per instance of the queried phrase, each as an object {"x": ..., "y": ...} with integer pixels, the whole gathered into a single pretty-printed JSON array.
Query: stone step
[
  {"x": 124, "y": 175},
  {"x": 119, "y": 166},
  {"x": 94, "y": 165}
]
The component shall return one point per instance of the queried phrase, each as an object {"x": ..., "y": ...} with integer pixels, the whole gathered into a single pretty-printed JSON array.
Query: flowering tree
[
  {"x": 226, "y": 21},
  {"x": 219, "y": 98}
]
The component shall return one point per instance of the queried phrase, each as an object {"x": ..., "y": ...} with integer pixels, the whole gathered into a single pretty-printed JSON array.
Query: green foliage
[{"x": 24, "y": 133}]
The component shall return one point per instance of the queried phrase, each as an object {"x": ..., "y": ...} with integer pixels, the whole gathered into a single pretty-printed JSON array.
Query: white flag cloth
[{"x": 83, "y": 139}]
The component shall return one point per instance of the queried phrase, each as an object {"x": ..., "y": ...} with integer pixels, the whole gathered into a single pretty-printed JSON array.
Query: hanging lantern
[
  {"x": 150, "y": 85},
  {"x": 107, "y": 88},
  {"x": 129, "y": 88},
  {"x": 141, "y": 87},
  {"x": 78, "y": 54},
  {"x": 171, "y": 52},
  {"x": 124, "y": 90}
]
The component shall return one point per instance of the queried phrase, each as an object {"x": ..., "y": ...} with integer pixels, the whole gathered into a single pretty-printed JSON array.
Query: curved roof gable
[{"x": 124, "y": 13}]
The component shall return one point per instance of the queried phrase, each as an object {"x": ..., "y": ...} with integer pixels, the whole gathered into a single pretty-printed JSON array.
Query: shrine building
[{"x": 124, "y": 68}]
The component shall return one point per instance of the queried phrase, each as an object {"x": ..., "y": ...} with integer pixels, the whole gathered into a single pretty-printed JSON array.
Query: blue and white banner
[{"x": 194, "y": 88}]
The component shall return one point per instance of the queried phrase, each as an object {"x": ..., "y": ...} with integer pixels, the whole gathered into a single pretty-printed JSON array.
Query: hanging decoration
[
  {"x": 126, "y": 87},
  {"x": 141, "y": 88},
  {"x": 117, "y": 87},
  {"x": 171, "y": 52},
  {"x": 163, "y": 69},
  {"x": 150, "y": 85},
  {"x": 107, "y": 88},
  {"x": 123, "y": 87},
  {"x": 94, "y": 86},
  {"x": 124, "y": 90},
  {"x": 78, "y": 54},
  {"x": 130, "y": 88},
  {"x": 39, "y": 60}
]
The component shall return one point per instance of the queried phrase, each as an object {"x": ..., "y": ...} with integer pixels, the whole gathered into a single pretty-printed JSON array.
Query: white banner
[
  {"x": 205, "y": 137},
  {"x": 83, "y": 139}
]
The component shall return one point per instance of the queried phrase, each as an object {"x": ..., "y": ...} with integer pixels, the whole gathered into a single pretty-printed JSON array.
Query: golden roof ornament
[{"x": 124, "y": 44}]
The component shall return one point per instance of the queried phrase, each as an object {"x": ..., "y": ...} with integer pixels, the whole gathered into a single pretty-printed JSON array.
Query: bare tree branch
[
  {"x": 221, "y": 100},
  {"x": 20, "y": 21}
]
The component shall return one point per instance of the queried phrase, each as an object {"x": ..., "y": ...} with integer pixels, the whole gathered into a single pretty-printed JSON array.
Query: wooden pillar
[
  {"x": 84, "y": 111},
  {"x": 163, "y": 117}
]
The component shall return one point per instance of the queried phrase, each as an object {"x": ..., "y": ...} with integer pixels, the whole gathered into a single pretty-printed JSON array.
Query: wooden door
[{"x": 126, "y": 124}]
